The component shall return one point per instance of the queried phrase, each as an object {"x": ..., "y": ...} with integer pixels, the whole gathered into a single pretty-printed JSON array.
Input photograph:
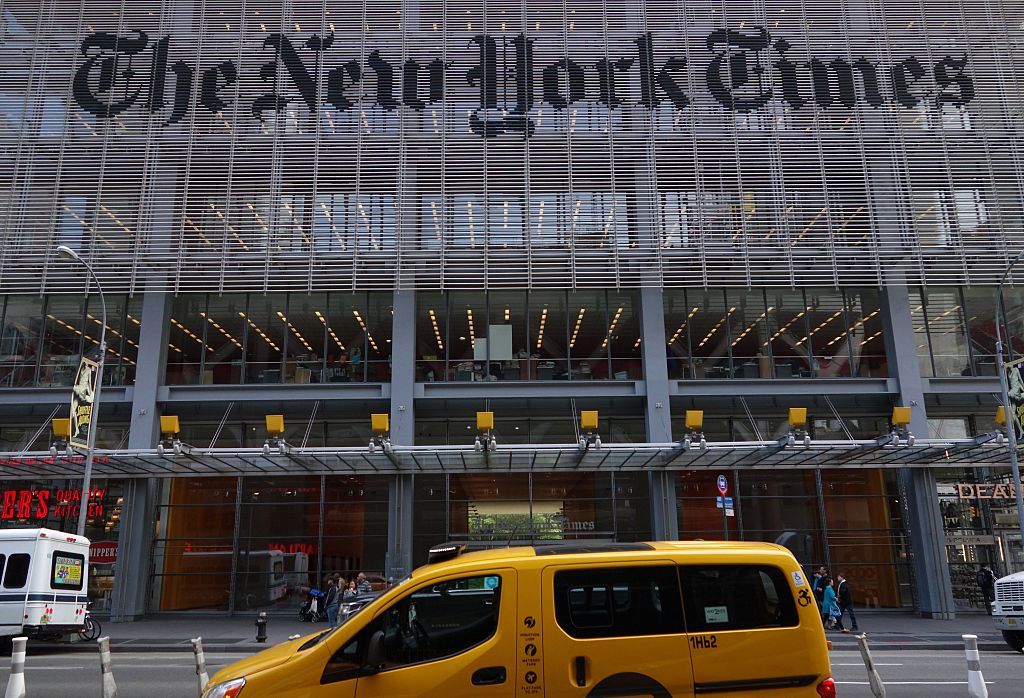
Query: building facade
[{"x": 432, "y": 209}]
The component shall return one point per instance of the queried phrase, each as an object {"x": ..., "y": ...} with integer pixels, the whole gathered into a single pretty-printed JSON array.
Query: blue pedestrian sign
[{"x": 723, "y": 485}]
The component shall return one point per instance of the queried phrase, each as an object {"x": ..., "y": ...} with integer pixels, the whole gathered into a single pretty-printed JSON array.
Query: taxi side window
[
  {"x": 618, "y": 601},
  {"x": 736, "y": 597},
  {"x": 429, "y": 624}
]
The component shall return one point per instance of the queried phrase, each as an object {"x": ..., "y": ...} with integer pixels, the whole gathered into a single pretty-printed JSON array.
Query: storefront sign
[
  {"x": 986, "y": 491},
  {"x": 102, "y": 553},
  {"x": 82, "y": 392},
  {"x": 40, "y": 504},
  {"x": 952, "y": 539},
  {"x": 742, "y": 70}
]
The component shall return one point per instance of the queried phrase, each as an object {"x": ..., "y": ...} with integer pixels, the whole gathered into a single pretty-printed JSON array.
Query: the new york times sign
[{"x": 742, "y": 71}]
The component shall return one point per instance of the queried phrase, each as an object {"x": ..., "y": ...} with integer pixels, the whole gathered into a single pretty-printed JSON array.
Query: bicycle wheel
[{"x": 90, "y": 629}]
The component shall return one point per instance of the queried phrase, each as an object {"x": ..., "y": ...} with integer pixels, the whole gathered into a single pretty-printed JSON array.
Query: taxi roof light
[{"x": 447, "y": 551}]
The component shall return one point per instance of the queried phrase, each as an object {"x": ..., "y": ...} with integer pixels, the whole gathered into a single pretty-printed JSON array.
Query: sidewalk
[{"x": 885, "y": 631}]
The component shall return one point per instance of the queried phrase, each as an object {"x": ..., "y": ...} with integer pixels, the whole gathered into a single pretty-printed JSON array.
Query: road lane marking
[
  {"x": 911, "y": 683},
  {"x": 862, "y": 664}
]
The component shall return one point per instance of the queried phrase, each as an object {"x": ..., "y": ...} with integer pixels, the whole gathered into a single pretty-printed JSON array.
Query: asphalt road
[{"x": 171, "y": 675}]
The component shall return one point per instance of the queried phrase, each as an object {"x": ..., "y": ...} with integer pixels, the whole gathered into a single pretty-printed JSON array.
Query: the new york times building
[{"x": 428, "y": 209}]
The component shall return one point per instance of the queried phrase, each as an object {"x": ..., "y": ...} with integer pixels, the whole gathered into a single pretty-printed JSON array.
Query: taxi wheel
[{"x": 1015, "y": 639}]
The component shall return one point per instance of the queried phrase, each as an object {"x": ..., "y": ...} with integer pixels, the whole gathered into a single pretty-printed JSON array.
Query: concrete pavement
[{"x": 888, "y": 631}]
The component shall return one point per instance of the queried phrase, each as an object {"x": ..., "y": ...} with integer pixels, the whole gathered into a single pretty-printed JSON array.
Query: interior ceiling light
[
  {"x": 295, "y": 331},
  {"x": 716, "y": 327},
  {"x": 220, "y": 329},
  {"x": 576, "y": 329},
  {"x": 369, "y": 337},
  {"x": 330, "y": 331},
  {"x": 260, "y": 332},
  {"x": 679, "y": 331},
  {"x": 611, "y": 327},
  {"x": 540, "y": 329},
  {"x": 437, "y": 331}
]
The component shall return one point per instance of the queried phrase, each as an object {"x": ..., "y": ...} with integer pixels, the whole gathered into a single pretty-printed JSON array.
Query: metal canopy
[{"x": 548, "y": 458}]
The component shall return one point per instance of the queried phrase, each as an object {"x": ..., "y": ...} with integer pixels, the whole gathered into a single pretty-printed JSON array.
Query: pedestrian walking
[
  {"x": 332, "y": 601},
  {"x": 986, "y": 579},
  {"x": 844, "y": 597},
  {"x": 818, "y": 589},
  {"x": 830, "y": 608}
]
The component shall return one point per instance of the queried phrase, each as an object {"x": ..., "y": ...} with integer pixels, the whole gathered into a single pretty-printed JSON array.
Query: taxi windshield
[{"x": 317, "y": 639}]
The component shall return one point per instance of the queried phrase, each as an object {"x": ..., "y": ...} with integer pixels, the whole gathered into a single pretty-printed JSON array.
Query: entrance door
[
  {"x": 451, "y": 638},
  {"x": 614, "y": 630}
]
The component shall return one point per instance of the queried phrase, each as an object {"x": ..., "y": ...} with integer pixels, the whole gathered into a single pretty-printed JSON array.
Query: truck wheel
[{"x": 1015, "y": 639}]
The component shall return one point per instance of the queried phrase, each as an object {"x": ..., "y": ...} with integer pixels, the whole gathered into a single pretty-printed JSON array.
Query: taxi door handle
[
  {"x": 489, "y": 676},
  {"x": 581, "y": 671}
]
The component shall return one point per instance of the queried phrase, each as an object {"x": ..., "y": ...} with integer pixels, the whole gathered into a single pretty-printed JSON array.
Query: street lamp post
[
  {"x": 70, "y": 255},
  {"x": 1011, "y": 431}
]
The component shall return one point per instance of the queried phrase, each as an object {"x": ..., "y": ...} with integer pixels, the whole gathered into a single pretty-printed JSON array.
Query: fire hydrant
[{"x": 261, "y": 627}]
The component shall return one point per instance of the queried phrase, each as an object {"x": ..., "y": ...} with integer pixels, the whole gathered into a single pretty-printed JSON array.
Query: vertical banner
[{"x": 82, "y": 393}]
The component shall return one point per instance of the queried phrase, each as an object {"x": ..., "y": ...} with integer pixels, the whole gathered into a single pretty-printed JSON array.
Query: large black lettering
[
  {"x": 411, "y": 83},
  {"x": 743, "y": 67},
  {"x": 106, "y": 72},
  {"x": 484, "y": 76},
  {"x": 952, "y": 73},
  {"x": 215, "y": 79},
  {"x": 304, "y": 82},
  {"x": 822, "y": 74},
  {"x": 385, "y": 80},
  {"x": 788, "y": 73},
  {"x": 871, "y": 84},
  {"x": 606, "y": 71},
  {"x": 904, "y": 75},
  {"x": 339, "y": 80},
  {"x": 552, "y": 78},
  {"x": 183, "y": 74},
  {"x": 651, "y": 80}
]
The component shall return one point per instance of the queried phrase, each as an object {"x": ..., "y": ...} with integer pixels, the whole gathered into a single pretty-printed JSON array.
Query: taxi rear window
[{"x": 736, "y": 597}]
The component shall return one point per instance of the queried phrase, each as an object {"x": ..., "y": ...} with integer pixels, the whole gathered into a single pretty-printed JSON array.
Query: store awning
[{"x": 199, "y": 462}]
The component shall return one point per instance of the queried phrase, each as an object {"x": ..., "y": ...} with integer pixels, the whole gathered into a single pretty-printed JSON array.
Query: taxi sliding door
[{"x": 614, "y": 629}]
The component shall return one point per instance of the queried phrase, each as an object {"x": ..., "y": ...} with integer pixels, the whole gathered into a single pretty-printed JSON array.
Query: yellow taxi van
[{"x": 618, "y": 619}]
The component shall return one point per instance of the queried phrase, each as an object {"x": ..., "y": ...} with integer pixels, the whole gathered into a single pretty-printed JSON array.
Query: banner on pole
[{"x": 82, "y": 395}]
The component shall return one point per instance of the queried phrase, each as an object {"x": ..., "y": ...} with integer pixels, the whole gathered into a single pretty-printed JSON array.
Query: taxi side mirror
[{"x": 375, "y": 654}]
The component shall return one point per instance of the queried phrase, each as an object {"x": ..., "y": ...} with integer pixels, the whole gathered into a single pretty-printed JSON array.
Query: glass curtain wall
[
  {"x": 43, "y": 339},
  {"x": 280, "y": 338},
  {"x": 260, "y": 543},
  {"x": 851, "y": 521},
  {"x": 956, "y": 329},
  {"x": 535, "y": 335},
  {"x": 526, "y": 508},
  {"x": 774, "y": 333},
  {"x": 54, "y": 504}
]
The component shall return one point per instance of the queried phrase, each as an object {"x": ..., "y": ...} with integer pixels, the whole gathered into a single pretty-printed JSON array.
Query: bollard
[
  {"x": 261, "y": 627},
  {"x": 109, "y": 687},
  {"x": 975, "y": 680},
  {"x": 16, "y": 684},
  {"x": 201, "y": 675},
  {"x": 874, "y": 680}
]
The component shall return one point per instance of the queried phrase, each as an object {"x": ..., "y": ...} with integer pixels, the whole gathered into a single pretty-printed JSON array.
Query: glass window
[
  {"x": 63, "y": 340},
  {"x": 16, "y": 574},
  {"x": 787, "y": 324},
  {"x": 618, "y": 602},
  {"x": 737, "y": 597},
  {"x": 748, "y": 332},
  {"x": 623, "y": 336},
  {"x": 980, "y": 310},
  {"x": 432, "y": 336},
  {"x": 436, "y": 622},
  {"x": 265, "y": 336},
  {"x": 67, "y": 571},
  {"x": 225, "y": 336},
  {"x": 947, "y": 334},
  {"x": 709, "y": 334},
  {"x": 549, "y": 343},
  {"x": 20, "y": 342},
  {"x": 826, "y": 341}
]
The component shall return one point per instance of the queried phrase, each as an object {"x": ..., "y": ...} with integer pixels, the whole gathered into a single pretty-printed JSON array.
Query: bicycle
[{"x": 91, "y": 629}]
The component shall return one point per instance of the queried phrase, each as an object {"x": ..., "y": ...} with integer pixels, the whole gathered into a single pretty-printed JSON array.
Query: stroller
[{"x": 312, "y": 610}]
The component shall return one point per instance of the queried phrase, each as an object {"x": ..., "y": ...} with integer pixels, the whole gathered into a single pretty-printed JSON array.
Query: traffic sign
[{"x": 723, "y": 485}]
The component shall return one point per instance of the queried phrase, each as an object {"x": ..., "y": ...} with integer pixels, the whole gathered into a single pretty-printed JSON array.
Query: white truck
[
  {"x": 43, "y": 582},
  {"x": 1008, "y": 609}
]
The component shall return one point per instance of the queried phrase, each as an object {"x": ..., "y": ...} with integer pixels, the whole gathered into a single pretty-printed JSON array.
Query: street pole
[
  {"x": 83, "y": 508},
  {"x": 1011, "y": 430}
]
